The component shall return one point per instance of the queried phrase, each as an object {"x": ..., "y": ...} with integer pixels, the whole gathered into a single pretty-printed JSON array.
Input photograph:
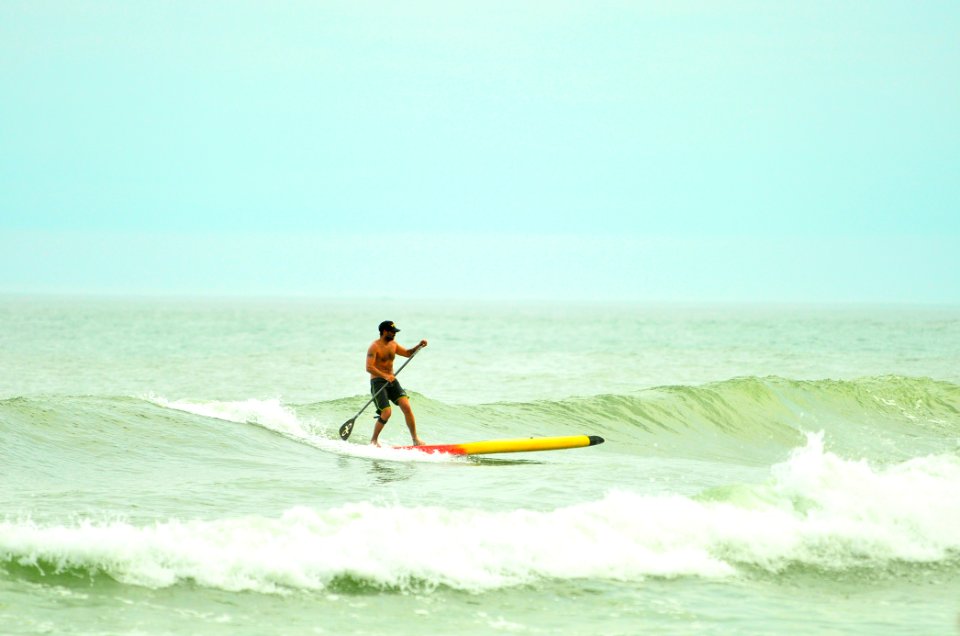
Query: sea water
[{"x": 172, "y": 466}]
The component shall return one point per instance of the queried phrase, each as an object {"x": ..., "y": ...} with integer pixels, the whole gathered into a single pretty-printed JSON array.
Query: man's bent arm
[{"x": 406, "y": 353}]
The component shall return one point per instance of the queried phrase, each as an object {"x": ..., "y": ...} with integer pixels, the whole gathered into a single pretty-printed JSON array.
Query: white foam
[
  {"x": 817, "y": 509},
  {"x": 273, "y": 415},
  {"x": 268, "y": 413}
]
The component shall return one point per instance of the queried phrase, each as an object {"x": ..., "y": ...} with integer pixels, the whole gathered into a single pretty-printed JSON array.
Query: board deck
[{"x": 520, "y": 445}]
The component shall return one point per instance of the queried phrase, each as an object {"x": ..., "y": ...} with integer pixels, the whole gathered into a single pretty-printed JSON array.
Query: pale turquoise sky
[{"x": 695, "y": 151}]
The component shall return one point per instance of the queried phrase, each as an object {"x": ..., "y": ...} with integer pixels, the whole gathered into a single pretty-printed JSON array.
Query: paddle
[{"x": 347, "y": 427}]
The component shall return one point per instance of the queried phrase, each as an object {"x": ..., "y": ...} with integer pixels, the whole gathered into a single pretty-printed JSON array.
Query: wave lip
[
  {"x": 817, "y": 510},
  {"x": 272, "y": 415}
]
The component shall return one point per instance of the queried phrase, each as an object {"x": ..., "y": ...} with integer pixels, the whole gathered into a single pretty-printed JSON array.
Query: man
[{"x": 380, "y": 357}]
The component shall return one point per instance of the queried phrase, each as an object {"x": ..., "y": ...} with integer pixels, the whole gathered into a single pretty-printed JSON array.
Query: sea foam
[
  {"x": 816, "y": 510},
  {"x": 274, "y": 416}
]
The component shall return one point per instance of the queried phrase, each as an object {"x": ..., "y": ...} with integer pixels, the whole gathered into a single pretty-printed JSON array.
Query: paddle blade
[{"x": 347, "y": 428}]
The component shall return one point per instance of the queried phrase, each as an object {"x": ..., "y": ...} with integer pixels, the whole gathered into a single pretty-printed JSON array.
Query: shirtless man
[{"x": 380, "y": 357}]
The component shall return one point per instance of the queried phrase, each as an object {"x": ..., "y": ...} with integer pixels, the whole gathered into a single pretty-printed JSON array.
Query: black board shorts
[{"x": 393, "y": 393}]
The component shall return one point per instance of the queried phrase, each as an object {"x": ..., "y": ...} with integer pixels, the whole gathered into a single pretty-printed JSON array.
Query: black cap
[{"x": 387, "y": 325}]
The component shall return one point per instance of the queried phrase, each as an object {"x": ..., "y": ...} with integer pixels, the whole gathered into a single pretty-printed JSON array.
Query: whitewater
[{"x": 173, "y": 466}]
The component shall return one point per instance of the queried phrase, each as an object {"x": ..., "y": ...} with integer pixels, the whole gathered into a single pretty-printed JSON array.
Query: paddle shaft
[{"x": 347, "y": 427}]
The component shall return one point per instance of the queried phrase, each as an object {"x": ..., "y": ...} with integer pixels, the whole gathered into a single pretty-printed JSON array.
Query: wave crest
[{"x": 817, "y": 510}]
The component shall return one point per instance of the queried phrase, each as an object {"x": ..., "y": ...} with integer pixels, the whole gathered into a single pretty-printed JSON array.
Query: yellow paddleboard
[{"x": 521, "y": 445}]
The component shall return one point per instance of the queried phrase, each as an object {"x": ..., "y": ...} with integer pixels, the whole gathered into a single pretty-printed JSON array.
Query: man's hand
[{"x": 423, "y": 343}]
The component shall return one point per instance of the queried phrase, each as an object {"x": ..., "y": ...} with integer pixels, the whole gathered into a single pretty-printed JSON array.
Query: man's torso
[{"x": 383, "y": 356}]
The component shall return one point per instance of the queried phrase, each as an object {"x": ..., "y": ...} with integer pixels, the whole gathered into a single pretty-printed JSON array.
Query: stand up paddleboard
[{"x": 510, "y": 445}]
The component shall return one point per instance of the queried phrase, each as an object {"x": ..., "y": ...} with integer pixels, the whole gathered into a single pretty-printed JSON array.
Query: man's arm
[{"x": 406, "y": 353}]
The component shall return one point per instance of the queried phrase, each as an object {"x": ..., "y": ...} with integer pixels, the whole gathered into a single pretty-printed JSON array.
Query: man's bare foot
[
  {"x": 374, "y": 442},
  {"x": 418, "y": 442}
]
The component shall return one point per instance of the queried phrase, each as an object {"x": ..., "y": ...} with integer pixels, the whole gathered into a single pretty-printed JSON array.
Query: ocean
[{"x": 172, "y": 466}]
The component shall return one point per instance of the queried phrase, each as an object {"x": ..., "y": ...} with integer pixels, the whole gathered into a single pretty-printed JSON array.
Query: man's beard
[{"x": 390, "y": 336}]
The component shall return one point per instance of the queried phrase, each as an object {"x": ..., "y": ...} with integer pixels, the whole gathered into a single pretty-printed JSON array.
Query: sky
[{"x": 643, "y": 151}]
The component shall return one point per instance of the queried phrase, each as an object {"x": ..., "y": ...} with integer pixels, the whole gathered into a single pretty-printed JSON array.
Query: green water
[{"x": 172, "y": 466}]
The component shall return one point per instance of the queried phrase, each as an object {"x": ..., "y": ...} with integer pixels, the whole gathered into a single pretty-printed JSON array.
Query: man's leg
[
  {"x": 378, "y": 426},
  {"x": 404, "y": 404}
]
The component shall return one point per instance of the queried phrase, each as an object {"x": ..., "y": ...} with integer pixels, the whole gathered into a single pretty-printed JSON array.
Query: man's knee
[{"x": 385, "y": 414}]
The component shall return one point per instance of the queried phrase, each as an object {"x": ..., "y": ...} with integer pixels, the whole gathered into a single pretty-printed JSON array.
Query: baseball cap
[{"x": 387, "y": 325}]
